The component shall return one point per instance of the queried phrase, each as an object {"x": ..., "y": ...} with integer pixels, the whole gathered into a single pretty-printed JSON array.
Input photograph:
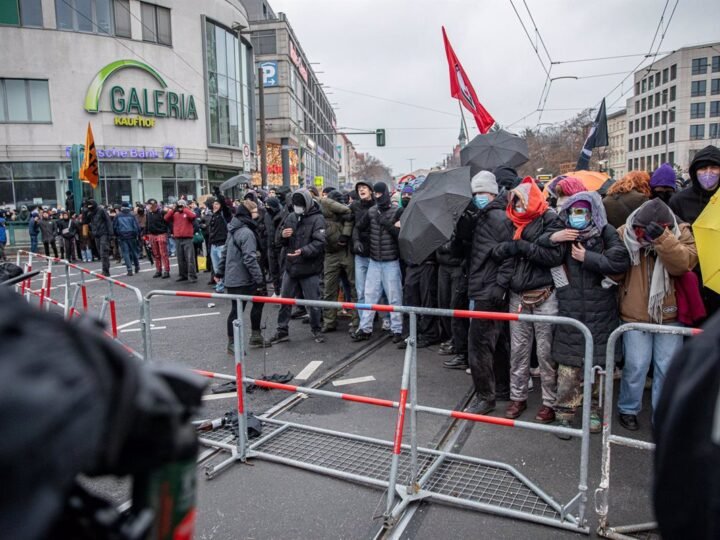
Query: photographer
[
  {"x": 240, "y": 270},
  {"x": 182, "y": 219}
]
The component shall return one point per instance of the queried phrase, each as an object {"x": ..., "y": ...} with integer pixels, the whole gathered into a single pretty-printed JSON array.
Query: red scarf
[{"x": 535, "y": 205}]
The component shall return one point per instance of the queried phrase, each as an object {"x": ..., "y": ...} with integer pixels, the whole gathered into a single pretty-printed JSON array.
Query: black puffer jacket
[
  {"x": 450, "y": 254},
  {"x": 532, "y": 268},
  {"x": 586, "y": 300},
  {"x": 360, "y": 209},
  {"x": 100, "y": 222},
  {"x": 483, "y": 230},
  {"x": 155, "y": 222},
  {"x": 689, "y": 203},
  {"x": 383, "y": 235},
  {"x": 308, "y": 236}
]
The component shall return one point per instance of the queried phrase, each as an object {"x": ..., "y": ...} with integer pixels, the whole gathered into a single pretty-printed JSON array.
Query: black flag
[{"x": 598, "y": 136}]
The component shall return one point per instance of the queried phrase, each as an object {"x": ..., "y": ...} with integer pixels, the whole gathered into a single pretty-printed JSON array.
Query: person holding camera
[
  {"x": 239, "y": 269},
  {"x": 182, "y": 218}
]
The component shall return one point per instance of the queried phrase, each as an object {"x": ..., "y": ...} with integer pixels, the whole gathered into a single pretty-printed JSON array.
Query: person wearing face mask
[
  {"x": 303, "y": 237},
  {"x": 593, "y": 251},
  {"x": 662, "y": 183},
  {"x": 406, "y": 195},
  {"x": 482, "y": 228},
  {"x": 531, "y": 291},
  {"x": 662, "y": 249},
  {"x": 689, "y": 203}
]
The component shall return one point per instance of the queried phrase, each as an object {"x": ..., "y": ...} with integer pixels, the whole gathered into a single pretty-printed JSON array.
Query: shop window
[{"x": 24, "y": 100}]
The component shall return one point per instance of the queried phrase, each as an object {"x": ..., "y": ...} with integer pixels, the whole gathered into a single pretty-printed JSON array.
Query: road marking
[
  {"x": 139, "y": 329},
  {"x": 127, "y": 324},
  {"x": 305, "y": 374},
  {"x": 212, "y": 397},
  {"x": 356, "y": 380}
]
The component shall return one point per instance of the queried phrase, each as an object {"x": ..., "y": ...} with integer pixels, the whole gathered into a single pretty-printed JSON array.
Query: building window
[
  {"x": 644, "y": 85},
  {"x": 21, "y": 12},
  {"x": 637, "y": 125},
  {"x": 637, "y": 107},
  {"x": 699, "y": 66},
  {"x": 121, "y": 10},
  {"x": 156, "y": 24},
  {"x": 714, "y": 109},
  {"x": 642, "y": 143},
  {"x": 264, "y": 42},
  {"x": 714, "y": 130},
  {"x": 673, "y": 72},
  {"x": 715, "y": 87},
  {"x": 665, "y": 75},
  {"x": 650, "y": 101},
  {"x": 630, "y": 145},
  {"x": 716, "y": 64},
  {"x": 663, "y": 138},
  {"x": 671, "y": 135},
  {"x": 642, "y": 123},
  {"x": 672, "y": 93},
  {"x": 671, "y": 158},
  {"x": 651, "y": 82},
  {"x": 656, "y": 139},
  {"x": 92, "y": 16},
  {"x": 657, "y": 119},
  {"x": 650, "y": 121},
  {"x": 664, "y": 97},
  {"x": 657, "y": 79},
  {"x": 630, "y": 127},
  {"x": 630, "y": 162},
  {"x": 649, "y": 140},
  {"x": 643, "y": 106},
  {"x": 24, "y": 100},
  {"x": 672, "y": 114},
  {"x": 698, "y": 88},
  {"x": 637, "y": 88},
  {"x": 697, "y": 110},
  {"x": 664, "y": 117},
  {"x": 697, "y": 131}
]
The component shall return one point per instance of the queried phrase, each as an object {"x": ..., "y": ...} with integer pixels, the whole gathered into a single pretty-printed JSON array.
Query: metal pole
[
  {"x": 263, "y": 148},
  {"x": 238, "y": 340},
  {"x": 585, "y": 440},
  {"x": 413, "y": 486},
  {"x": 147, "y": 345},
  {"x": 66, "y": 310}
]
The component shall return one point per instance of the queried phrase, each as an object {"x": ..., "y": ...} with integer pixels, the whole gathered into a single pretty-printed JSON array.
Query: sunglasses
[{"x": 578, "y": 211}]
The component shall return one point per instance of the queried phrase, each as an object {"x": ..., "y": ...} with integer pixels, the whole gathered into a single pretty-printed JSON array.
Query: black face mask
[
  {"x": 664, "y": 196},
  {"x": 405, "y": 201}
]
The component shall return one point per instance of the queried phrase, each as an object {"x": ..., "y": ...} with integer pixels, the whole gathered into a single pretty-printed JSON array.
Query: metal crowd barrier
[
  {"x": 419, "y": 485},
  {"x": 602, "y": 493},
  {"x": 79, "y": 293}
]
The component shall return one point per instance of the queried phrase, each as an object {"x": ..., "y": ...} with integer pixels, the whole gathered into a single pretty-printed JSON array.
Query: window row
[
  {"x": 21, "y": 13},
  {"x": 650, "y": 163},
  {"x": 699, "y": 88},
  {"x": 697, "y": 110},
  {"x": 651, "y": 139},
  {"x": 654, "y": 81},
  {"x": 647, "y": 122},
  {"x": 655, "y": 100},
  {"x": 700, "y": 65}
]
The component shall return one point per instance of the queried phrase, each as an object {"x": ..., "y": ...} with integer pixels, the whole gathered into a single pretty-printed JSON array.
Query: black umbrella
[
  {"x": 430, "y": 218},
  {"x": 485, "y": 152},
  {"x": 235, "y": 181}
]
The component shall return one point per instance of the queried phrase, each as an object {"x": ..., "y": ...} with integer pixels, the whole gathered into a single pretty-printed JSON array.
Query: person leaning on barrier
[
  {"x": 239, "y": 269},
  {"x": 662, "y": 249},
  {"x": 587, "y": 292},
  {"x": 531, "y": 291}
]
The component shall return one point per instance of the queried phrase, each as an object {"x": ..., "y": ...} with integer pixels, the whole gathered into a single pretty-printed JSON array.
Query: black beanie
[{"x": 380, "y": 187}]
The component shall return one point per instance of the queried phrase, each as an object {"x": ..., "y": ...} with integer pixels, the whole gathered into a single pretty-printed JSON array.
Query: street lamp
[{"x": 411, "y": 159}]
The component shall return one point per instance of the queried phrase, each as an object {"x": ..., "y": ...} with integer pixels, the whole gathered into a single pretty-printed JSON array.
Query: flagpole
[{"x": 462, "y": 115}]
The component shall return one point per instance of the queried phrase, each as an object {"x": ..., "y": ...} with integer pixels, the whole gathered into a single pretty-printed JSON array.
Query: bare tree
[{"x": 368, "y": 167}]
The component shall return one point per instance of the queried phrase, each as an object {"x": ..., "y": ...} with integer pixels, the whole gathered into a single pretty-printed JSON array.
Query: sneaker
[
  {"x": 397, "y": 338},
  {"x": 157, "y": 274},
  {"x": 456, "y": 362},
  {"x": 470, "y": 373},
  {"x": 531, "y": 385},
  {"x": 386, "y": 325},
  {"x": 360, "y": 336},
  {"x": 319, "y": 338},
  {"x": 534, "y": 371},
  {"x": 166, "y": 275},
  {"x": 564, "y": 424},
  {"x": 546, "y": 415},
  {"x": 447, "y": 349},
  {"x": 515, "y": 409},
  {"x": 480, "y": 406},
  {"x": 129, "y": 272},
  {"x": 595, "y": 422},
  {"x": 279, "y": 337},
  {"x": 628, "y": 421},
  {"x": 181, "y": 279},
  {"x": 305, "y": 319},
  {"x": 257, "y": 340}
]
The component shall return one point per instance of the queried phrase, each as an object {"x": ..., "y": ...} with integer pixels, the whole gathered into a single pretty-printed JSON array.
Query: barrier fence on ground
[
  {"x": 603, "y": 492},
  {"x": 75, "y": 295},
  {"x": 413, "y": 473}
]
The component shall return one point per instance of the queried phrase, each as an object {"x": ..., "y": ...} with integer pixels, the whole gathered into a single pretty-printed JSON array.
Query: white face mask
[{"x": 300, "y": 210}]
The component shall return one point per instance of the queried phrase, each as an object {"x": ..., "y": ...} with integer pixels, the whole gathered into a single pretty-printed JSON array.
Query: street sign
[
  {"x": 247, "y": 165},
  {"x": 319, "y": 180},
  {"x": 270, "y": 74},
  {"x": 246, "y": 151}
]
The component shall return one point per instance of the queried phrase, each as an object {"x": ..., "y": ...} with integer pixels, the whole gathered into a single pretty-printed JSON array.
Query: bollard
[{"x": 113, "y": 319}]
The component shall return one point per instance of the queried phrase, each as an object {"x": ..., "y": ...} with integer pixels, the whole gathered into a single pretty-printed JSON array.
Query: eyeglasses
[{"x": 578, "y": 211}]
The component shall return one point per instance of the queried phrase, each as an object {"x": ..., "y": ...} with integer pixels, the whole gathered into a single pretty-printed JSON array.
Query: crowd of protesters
[{"x": 628, "y": 255}]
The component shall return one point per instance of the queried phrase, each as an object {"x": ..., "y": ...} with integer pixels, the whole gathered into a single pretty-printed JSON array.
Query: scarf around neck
[{"x": 535, "y": 205}]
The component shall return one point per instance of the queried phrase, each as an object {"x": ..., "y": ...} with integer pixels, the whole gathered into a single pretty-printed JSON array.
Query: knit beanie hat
[
  {"x": 408, "y": 189},
  {"x": 653, "y": 210},
  {"x": 570, "y": 186},
  {"x": 484, "y": 182},
  {"x": 664, "y": 176},
  {"x": 380, "y": 187}
]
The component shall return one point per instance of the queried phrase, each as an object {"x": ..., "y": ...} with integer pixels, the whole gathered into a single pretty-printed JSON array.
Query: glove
[
  {"x": 343, "y": 240},
  {"x": 496, "y": 295},
  {"x": 654, "y": 231},
  {"x": 505, "y": 250},
  {"x": 358, "y": 248},
  {"x": 523, "y": 246}
]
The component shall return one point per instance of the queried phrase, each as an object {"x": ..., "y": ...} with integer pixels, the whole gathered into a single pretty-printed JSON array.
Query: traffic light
[{"x": 380, "y": 137}]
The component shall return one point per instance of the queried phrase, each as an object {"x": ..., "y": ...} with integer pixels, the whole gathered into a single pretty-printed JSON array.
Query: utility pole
[
  {"x": 411, "y": 159},
  {"x": 263, "y": 150}
]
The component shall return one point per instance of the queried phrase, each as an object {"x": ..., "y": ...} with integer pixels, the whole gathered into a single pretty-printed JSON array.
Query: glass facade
[{"x": 229, "y": 83}]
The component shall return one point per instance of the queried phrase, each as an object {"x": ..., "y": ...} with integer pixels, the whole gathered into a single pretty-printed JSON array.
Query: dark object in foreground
[{"x": 494, "y": 149}]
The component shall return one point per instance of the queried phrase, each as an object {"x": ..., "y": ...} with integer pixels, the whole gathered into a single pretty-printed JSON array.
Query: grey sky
[{"x": 393, "y": 49}]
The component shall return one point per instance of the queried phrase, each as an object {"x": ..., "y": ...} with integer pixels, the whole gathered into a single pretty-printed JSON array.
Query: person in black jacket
[
  {"x": 217, "y": 234},
  {"x": 689, "y": 203},
  {"x": 531, "y": 291},
  {"x": 588, "y": 294},
  {"x": 483, "y": 229},
  {"x": 101, "y": 228},
  {"x": 272, "y": 221},
  {"x": 303, "y": 237},
  {"x": 361, "y": 239},
  {"x": 156, "y": 228},
  {"x": 383, "y": 228}
]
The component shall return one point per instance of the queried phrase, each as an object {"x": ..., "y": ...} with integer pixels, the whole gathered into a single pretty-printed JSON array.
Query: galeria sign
[{"x": 138, "y": 107}]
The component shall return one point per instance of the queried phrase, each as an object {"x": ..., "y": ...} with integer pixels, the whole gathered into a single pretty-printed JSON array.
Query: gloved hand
[
  {"x": 523, "y": 247},
  {"x": 343, "y": 240},
  {"x": 654, "y": 231},
  {"x": 505, "y": 250},
  {"x": 358, "y": 248},
  {"x": 496, "y": 295}
]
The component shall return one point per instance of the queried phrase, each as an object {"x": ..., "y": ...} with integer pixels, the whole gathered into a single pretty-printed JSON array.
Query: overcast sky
[{"x": 393, "y": 49}]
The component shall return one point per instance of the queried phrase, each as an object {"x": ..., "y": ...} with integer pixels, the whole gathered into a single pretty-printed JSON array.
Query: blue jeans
[
  {"x": 382, "y": 276},
  {"x": 361, "y": 268},
  {"x": 129, "y": 250},
  {"x": 171, "y": 246},
  {"x": 33, "y": 244},
  {"x": 215, "y": 256},
  {"x": 641, "y": 348}
]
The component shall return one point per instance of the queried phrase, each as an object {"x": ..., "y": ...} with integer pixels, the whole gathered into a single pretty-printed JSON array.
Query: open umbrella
[
  {"x": 430, "y": 218},
  {"x": 707, "y": 238},
  {"x": 494, "y": 149},
  {"x": 592, "y": 180},
  {"x": 235, "y": 181}
]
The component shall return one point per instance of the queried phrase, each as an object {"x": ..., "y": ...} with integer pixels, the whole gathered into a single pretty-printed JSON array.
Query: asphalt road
[{"x": 266, "y": 500}]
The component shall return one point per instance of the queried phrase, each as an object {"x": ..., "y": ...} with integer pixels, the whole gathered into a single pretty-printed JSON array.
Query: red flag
[{"x": 460, "y": 88}]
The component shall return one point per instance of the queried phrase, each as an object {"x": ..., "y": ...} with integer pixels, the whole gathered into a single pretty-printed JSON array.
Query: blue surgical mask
[
  {"x": 578, "y": 222},
  {"x": 520, "y": 210},
  {"x": 481, "y": 201}
]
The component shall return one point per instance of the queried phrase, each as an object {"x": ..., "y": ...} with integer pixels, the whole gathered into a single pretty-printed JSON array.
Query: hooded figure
[
  {"x": 593, "y": 252},
  {"x": 661, "y": 251},
  {"x": 272, "y": 217},
  {"x": 663, "y": 183},
  {"x": 689, "y": 203},
  {"x": 507, "y": 178}
]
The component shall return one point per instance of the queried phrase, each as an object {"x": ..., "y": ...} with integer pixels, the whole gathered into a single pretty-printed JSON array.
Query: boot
[
  {"x": 231, "y": 346},
  {"x": 257, "y": 340}
]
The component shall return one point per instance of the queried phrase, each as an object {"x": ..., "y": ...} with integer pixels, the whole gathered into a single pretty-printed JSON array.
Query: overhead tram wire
[
  {"x": 599, "y": 58},
  {"x": 537, "y": 53},
  {"x": 454, "y": 115},
  {"x": 537, "y": 32}
]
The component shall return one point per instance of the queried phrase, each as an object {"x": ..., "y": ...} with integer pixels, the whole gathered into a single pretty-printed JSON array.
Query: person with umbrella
[
  {"x": 383, "y": 275},
  {"x": 485, "y": 228},
  {"x": 531, "y": 291}
]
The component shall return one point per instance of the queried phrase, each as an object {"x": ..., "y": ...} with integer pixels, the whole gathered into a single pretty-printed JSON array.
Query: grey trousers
[
  {"x": 521, "y": 341},
  {"x": 186, "y": 257}
]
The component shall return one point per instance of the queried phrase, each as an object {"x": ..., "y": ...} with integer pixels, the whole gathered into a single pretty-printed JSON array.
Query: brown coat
[
  {"x": 619, "y": 206},
  {"x": 679, "y": 255}
]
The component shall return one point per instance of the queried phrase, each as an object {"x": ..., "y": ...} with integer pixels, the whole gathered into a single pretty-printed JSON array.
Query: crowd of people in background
[{"x": 627, "y": 255}]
